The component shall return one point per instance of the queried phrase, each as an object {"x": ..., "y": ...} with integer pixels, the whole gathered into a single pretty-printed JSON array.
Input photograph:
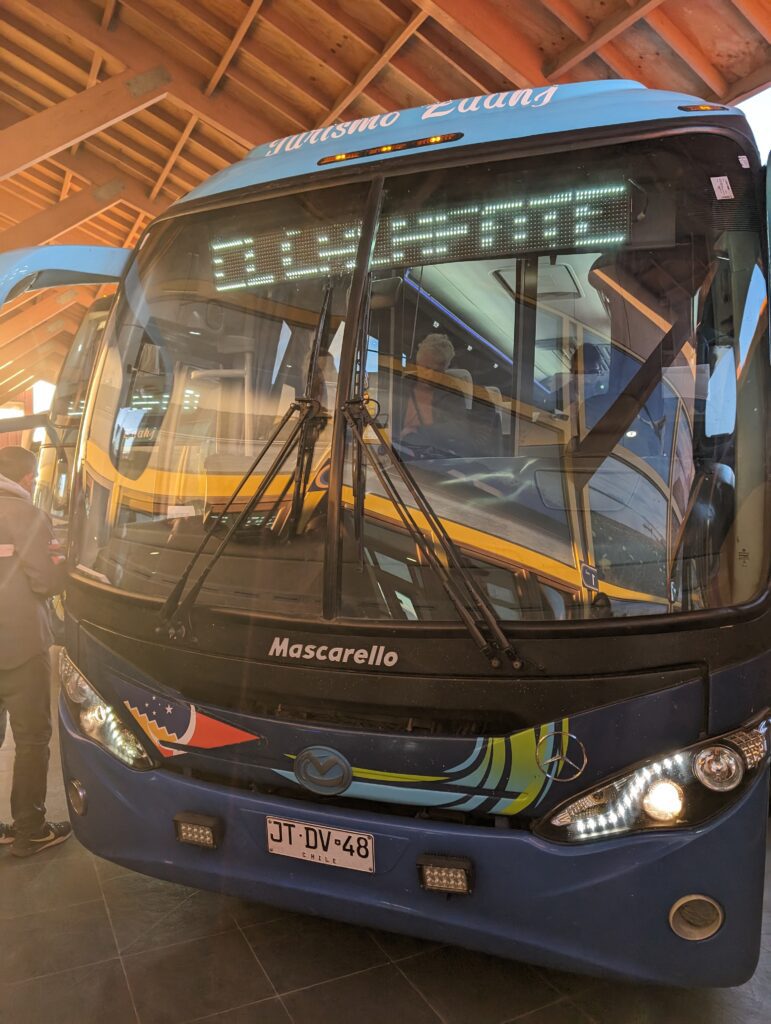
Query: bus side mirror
[{"x": 47, "y": 266}]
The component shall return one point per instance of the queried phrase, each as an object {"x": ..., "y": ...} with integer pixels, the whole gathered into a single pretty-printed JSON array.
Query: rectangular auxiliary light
[
  {"x": 446, "y": 874},
  {"x": 198, "y": 829},
  {"x": 394, "y": 147}
]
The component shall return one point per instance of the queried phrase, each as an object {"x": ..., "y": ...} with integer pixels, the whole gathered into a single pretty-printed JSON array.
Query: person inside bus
[
  {"x": 29, "y": 575},
  {"x": 433, "y": 410}
]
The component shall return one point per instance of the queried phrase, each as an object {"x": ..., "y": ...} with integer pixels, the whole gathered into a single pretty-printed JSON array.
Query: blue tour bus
[{"x": 419, "y": 547}]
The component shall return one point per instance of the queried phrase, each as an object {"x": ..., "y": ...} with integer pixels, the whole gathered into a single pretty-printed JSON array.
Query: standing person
[{"x": 29, "y": 575}]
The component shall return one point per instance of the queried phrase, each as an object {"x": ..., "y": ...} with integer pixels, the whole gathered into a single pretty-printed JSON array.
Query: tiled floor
[{"x": 85, "y": 942}]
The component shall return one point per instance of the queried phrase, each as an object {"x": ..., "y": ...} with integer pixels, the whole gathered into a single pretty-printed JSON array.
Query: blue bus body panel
[
  {"x": 482, "y": 775},
  {"x": 601, "y": 908},
  {"x": 513, "y": 115}
]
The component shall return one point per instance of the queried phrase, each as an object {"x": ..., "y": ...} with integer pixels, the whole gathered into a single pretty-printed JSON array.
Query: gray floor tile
[
  {"x": 198, "y": 915},
  {"x": 299, "y": 951},
  {"x": 396, "y": 947},
  {"x": 55, "y": 940},
  {"x": 87, "y": 995},
  {"x": 269, "y": 1011},
  {"x": 562, "y": 1012},
  {"x": 469, "y": 988},
  {"x": 138, "y": 904},
  {"x": 55, "y": 878},
  {"x": 378, "y": 996},
  {"x": 192, "y": 979}
]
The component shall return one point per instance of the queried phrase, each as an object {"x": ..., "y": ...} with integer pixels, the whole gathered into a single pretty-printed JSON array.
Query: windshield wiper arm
[
  {"x": 311, "y": 424},
  {"x": 174, "y": 608},
  {"x": 359, "y": 418}
]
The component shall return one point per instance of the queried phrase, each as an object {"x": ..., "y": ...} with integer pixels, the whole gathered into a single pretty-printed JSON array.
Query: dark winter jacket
[{"x": 28, "y": 576}]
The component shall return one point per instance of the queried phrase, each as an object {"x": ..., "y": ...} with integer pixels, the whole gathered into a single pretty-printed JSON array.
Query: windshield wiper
[
  {"x": 359, "y": 419},
  {"x": 175, "y": 610},
  {"x": 311, "y": 424}
]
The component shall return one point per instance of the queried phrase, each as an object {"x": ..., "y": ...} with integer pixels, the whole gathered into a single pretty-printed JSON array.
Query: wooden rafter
[
  {"x": 601, "y": 35},
  {"x": 235, "y": 42},
  {"x": 64, "y": 216},
  {"x": 688, "y": 50},
  {"x": 80, "y": 116},
  {"x": 394, "y": 44},
  {"x": 485, "y": 30},
  {"x": 758, "y": 14}
]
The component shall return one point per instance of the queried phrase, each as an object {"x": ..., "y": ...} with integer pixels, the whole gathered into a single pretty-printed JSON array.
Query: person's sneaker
[
  {"x": 53, "y": 833},
  {"x": 7, "y": 834}
]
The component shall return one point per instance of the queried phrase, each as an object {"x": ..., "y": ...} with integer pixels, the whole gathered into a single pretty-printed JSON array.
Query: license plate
[{"x": 335, "y": 846}]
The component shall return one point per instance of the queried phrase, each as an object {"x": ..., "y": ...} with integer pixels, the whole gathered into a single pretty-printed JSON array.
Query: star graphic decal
[{"x": 169, "y": 709}]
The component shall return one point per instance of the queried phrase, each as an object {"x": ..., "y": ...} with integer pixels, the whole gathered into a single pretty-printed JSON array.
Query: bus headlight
[
  {"x": 684, "y": 788},
  {"x": 97, "y": 719}
]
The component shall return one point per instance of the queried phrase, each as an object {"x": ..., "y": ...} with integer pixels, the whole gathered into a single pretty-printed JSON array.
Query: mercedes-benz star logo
[
  {"x": 557, "y": 766},
  {"x": 323, "y": 770}
]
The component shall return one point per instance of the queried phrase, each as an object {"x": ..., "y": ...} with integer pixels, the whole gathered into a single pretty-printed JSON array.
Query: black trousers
[{"x": 25, "y": 692}]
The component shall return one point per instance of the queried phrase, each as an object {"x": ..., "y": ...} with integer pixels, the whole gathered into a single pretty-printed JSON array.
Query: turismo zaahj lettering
[{"x": 495, "y": 101}]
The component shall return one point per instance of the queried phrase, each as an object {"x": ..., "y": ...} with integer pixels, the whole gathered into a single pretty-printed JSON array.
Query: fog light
[
  {"x": 446, "y": 874},
  {"x": 663, "y": 801},
  {"x": 696, "y": 917},
  {"x": 198, "y": 829},
  {"x": 718, "y": 768},
  {"x": 76, "y": 794}
]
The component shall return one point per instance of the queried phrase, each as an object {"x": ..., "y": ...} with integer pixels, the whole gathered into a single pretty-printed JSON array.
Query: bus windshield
[{"x": 567, "y": 357}]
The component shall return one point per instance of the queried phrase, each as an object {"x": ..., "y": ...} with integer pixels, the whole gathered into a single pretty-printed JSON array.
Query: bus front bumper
[{"x": 602, "y": 908}]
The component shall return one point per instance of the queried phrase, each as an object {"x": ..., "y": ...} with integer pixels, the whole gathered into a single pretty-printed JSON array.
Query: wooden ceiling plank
[
  {"x": 394, "y": 44},
  {"x": 12, "y": 348},
  {"x": 429, "y": 37},
  {"x": 61, "y": 217},
  {"x": 688, "y": 51},
  {"x": 129, "y": 48},
  {"x": 307, "y": 42},
  {"x": 246, "y": 23},
  {"x": 35, "y": 312},
  {"x": 748, "y": 86},
  {"x": 184, "y": 136},
  {"x": 88, "y": 112},
  {"x": 55, "y": 80},
  {"x": 488, "y": 33},
  {"x": 98, "y": 172},
  {"x": 565, "y": 12},
  {"x": 601, "y": 34},
  {"x": 758, "y": 14}
]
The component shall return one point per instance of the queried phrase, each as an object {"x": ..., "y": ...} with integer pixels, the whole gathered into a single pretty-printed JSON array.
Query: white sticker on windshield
[
  {"x": 722, "y": 187},
  {"x": 180, "y": 511},
  {"x": 7, "y": 550},
  {"x": 744, "y": 161}
]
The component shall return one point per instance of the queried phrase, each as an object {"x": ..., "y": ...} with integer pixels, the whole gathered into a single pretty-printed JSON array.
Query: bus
[
  {"x": 419, "y": 541},
  {"x": 57, "y": 449}
]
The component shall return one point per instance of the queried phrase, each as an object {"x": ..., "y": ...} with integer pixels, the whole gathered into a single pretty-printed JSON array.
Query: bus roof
[{"x": 515, "y": 114}]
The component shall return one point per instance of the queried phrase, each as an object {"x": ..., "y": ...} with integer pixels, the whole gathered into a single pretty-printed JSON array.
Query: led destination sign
[{"x": 591, "y": 218}]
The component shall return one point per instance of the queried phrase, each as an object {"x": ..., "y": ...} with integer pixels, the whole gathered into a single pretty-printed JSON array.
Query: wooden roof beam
[
  {"x": 601, "y": 34},
  {"x": 78, "y": 117},
  {"x": 688, "y": 51},
  {"x": 129, "y": 49},
  {"x": 565, "y": 12},
  {"x": 753, "y": 83},
  {"x": 43, "y": 333},
  {"x": 394, "y": 44},
  {"x": 62, "y": 216},
  {"x": 172, "y": 158},
  {"x": 93, "y": 169},
  {"x": 758, "y": 14},
  {"x": 238, "y": 37},
  {"x": 491, "y": 35},
  {"x": 50, "y": 303}
]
